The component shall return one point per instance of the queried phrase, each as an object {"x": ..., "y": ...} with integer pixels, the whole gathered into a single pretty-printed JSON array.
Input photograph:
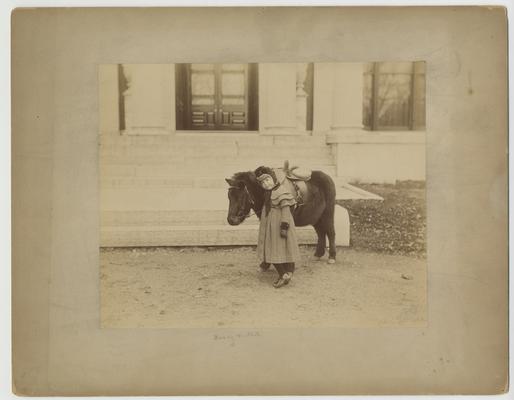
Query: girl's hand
[{"x": 284, "y": 226}]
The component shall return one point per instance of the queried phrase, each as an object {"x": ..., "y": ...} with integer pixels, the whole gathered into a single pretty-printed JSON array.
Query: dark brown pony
[{"x": 245, "y": 194}]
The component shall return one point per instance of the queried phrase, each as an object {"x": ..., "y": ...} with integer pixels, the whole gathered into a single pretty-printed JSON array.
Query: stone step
[
  {"x": 202, "y": 235},
  {"x": 213, "y": 138},
  {"x": 185, "y": 140},
  {"x": 179, "y": 182},
  {"x": 210, "y": 151},
  {"x": 281, "y": 150},
  {"x": 214, "y": 154},
  {"x": 164, "y": 216},
  {"x": 185, "y": 200},
  {"x": 171, "y": 190},
  {"x": 168, "y": 218},
  {"x": 162, "y": 198},
  {"x": 208, "y": 143},
  {"x": 188, "y": 182},
  {"x": 200, "y": 170},
  {"x": 208, "y": 234},
  {"x": 216, "y": 160}
]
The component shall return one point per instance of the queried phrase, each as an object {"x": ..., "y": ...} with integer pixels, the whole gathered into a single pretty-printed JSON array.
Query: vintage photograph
[
  {"x": 262, "y": 195},
  {"x": 202, "y": 195}
]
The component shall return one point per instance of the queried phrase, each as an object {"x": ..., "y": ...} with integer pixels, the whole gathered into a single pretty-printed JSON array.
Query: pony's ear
[
  {"x": 231, "y": 182},
  {"x": 235, "y": 183}
]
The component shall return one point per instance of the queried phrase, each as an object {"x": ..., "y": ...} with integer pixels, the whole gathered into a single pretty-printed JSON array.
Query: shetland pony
[{"x": 317, "y": 208}]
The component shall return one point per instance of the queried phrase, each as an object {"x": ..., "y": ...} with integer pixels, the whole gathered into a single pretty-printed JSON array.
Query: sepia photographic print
[
  {"x": 188, "y": 238},
  {"x": 259, "y": 201}
]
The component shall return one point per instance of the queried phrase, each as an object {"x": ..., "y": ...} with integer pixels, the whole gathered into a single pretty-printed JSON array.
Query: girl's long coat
[{"x": 271, "y": 247}]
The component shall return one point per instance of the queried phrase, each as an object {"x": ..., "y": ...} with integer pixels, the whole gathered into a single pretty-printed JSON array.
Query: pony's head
[{"x": 240, "y": 201}]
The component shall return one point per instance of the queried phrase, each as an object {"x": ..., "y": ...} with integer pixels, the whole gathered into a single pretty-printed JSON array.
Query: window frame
[{"x": 373, "y": 107}]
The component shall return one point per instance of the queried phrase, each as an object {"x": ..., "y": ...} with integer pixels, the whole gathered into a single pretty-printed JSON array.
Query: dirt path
[{"x": 202, "y": 287}]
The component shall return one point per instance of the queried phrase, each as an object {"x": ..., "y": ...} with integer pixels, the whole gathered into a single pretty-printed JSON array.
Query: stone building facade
[{"x": 171, "y": 133}]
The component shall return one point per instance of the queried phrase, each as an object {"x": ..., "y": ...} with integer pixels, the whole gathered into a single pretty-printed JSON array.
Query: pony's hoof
[{"x": 331, "y": 260}]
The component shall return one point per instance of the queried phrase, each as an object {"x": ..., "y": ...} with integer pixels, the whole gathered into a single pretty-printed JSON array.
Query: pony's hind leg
[
  {"x": 326, "y": 224},
  {"x": 320, "y": 247},
  {"x": 331, "y": 233},
  {"x": 264, "y": 266}
]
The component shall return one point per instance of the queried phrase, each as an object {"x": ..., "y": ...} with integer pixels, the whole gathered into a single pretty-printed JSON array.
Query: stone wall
[{"x": 337, "y": 115}]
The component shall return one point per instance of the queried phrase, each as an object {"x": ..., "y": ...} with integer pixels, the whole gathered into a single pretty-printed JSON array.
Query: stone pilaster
[
  {"x": 323, "y": 94},
  {"x": 149, "y": 99},
  {"x": 277, "y": 95},
  {"x": 347, "y": 96},
  {"x": 347, "y": 109},
  {"x": 301, "y": 97}
]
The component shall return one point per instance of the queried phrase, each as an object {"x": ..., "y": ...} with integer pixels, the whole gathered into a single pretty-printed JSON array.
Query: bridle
[{"x": 250, "y": 200}]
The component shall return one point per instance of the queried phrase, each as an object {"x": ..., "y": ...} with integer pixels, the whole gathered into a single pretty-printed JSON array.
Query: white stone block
[{"x": 342, "y": 226}]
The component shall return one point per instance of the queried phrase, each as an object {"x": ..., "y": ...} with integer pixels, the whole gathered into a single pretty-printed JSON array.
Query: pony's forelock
[{"x": 243, "y": 176}]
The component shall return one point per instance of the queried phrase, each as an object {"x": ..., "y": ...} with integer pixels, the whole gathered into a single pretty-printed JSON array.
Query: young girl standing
[{"x": 277, "y": 244}]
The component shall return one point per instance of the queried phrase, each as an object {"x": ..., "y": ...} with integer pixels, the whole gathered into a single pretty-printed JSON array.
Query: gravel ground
[{"x": 223, "y": 287}]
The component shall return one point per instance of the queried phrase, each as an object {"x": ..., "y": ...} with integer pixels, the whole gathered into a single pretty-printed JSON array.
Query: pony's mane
[
  {"x": 250, "y": 181},
  {"x": 243, "y": 176}
]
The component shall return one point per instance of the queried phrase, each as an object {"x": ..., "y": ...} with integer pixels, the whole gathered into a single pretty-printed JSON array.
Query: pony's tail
[{"x": 327, "y": 185}]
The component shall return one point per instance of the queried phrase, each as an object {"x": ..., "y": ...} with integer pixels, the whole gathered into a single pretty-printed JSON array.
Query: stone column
[
  {"x": 323, "y": 98},
  {"x": 108, "y": 99},
  {"x": 149, "y": 99},
  {"x": 277, "y": 94},
  {"x": 347, "y": 108},
  {"x": 301, "y": 97},
  {"x": 347, "y": 96}
]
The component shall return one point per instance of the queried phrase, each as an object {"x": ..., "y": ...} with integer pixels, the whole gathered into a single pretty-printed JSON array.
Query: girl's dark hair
[
  {"x": 267, "y": 195},
  {"x": 265, "y": 170}
]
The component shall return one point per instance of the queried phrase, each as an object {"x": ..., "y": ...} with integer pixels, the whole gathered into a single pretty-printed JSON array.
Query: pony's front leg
[
  {"x": 320, "y": 247},
  {"x": 264, "y": 266}
]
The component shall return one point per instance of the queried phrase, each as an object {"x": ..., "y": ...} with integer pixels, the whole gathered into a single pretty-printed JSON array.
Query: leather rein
[
  {"x": 252, "y": 202},
  {"x": 250, "y": 199}
]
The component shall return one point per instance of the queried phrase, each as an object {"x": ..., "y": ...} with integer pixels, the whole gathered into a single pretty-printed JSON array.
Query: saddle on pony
[
  {"x": 296, "y": 173},
  {"x": 294, "y": 180}
]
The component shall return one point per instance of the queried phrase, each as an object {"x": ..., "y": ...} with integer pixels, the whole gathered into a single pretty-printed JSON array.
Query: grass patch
[{"x": 396, "y": 225}]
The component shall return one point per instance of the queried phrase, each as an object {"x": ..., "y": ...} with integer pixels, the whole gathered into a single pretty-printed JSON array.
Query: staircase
[
  {"x": 171, "y": 190},
  {"x": 200, "y": 160}
]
